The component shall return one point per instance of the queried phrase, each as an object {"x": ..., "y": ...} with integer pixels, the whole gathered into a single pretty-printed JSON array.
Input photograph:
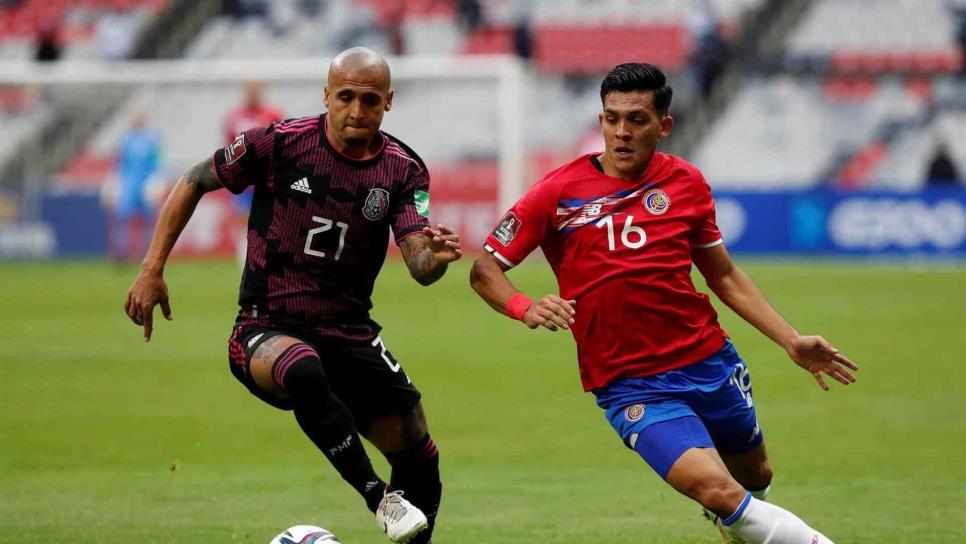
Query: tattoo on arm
[
  {"x": 423, "y": 266},
  {"x": 201, "y": 177}
]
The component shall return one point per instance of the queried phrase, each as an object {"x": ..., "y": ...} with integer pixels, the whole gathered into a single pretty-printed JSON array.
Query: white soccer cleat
[
  {"x": 398, "y": 518},
  {"x": 727, "y": 537}
]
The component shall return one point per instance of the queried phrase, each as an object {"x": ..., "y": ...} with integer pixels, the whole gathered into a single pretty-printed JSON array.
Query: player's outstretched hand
[
  {"x": 148, "y": 291},
  {"x": 444, "y": 243},
  {"x": 551, "y": 312},
  {"x": 817, "y": 356}
]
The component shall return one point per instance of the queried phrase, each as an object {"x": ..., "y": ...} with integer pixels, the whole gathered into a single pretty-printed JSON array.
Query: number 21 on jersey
[
  {"x": 632, "y": 237},
  {"x": 326, "y": 226}
]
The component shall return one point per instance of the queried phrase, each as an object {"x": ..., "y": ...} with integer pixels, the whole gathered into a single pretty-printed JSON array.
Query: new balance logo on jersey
[
  {"x": 591, "y": 210},
  {"x": 302, "y": 185}
]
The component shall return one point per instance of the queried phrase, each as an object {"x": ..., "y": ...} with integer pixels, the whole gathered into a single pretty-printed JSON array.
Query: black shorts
[{"x": 363, "y": 375}]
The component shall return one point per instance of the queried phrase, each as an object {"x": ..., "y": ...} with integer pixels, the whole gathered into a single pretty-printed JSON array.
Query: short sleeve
[
  {"x": 523, "y": 227},
  {"x": 704, "y": 233},
  {"x": 245, "y": 161},
  {"x": 410, "y": 211}
]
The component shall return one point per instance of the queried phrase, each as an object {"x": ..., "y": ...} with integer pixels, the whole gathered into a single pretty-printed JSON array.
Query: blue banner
[
  {"x": 822, "y": 222},
  {"x": 78, "y": 223},
  {"x": 929, "y": 223}
]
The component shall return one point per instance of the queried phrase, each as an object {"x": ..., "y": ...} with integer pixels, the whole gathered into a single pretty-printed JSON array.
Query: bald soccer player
[{"x": 328, "y": 190}]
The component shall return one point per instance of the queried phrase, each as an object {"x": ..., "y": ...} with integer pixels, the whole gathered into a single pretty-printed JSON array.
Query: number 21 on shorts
[{"x": 632, "y": 237}]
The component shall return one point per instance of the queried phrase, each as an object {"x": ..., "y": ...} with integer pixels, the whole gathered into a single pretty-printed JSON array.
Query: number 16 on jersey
[{"x": 632, "y": 237}]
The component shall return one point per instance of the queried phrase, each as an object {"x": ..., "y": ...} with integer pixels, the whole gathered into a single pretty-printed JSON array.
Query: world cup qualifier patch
[
  {"x": 377, "y": 204},
  {"x": 422, "y": 203},
  {"x": 657, "y": 202},
  {"x": 235, "y": 151},
  {"x": 507, "y": 229},
  {"x": 634, "y": 413}
]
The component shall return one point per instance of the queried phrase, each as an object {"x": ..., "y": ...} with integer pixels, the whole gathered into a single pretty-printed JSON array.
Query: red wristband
[{"x": 518, "y": 305}]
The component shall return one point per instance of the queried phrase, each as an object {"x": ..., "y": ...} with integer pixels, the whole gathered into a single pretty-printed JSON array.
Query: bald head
[
  {"x": 360, "y": 64},
  {"x": 357, "y": 96}
]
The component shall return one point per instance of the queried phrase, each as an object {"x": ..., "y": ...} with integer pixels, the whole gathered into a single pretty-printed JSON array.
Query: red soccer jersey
[
  {"x": 241, "y": 119},
  {"x": 622, "y": 250}
]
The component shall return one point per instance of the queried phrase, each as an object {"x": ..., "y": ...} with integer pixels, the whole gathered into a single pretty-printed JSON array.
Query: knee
[
  {"x": 763, "y": 476},
  {"x": 756, "y": 477},
  {"x": 299, "y": 372}
]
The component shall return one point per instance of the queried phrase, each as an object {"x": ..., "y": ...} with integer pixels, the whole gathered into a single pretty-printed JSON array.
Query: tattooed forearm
[
  {"x": 423, "y": 266},
  {"x": 201, "y": 177}
]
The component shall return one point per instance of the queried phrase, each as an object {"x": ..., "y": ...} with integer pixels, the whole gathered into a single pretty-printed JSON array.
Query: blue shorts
[{"x": 702, "y": 405}]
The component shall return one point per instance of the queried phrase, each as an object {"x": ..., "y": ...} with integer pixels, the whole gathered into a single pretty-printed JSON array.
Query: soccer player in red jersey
[
  {"x": 621, "y": 230},
  {"x": 254, "y": 112},
  {"x": 328, "y": 190}
]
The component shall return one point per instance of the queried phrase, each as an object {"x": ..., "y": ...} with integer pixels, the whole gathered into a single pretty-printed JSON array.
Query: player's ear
[
  {"x": 325, "y": 96},
  {"x": 600, "y": 119},
  {"x": 667, "y": 123},
  {"x": 389, "y": 96}
]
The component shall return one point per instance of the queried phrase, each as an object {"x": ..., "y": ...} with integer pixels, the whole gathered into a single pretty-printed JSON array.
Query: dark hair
[{"x": 638, "y": 76}]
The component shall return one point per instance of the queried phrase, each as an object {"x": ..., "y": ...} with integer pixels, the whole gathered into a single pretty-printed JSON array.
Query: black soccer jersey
[{"x": 319, "y": 224}]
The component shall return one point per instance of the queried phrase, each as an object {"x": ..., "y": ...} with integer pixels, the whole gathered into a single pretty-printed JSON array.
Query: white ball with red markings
[{"x": 305, "y": 534}]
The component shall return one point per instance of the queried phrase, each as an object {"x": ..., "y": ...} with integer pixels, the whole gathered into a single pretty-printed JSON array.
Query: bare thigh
[{"x": 264, "y": 359}]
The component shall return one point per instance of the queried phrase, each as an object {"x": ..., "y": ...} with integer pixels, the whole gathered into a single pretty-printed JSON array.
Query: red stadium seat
[
  {"x": 86, "y": 169},
  {"x": 862, "y": 165},
  {"x": 942, "y": 61}
]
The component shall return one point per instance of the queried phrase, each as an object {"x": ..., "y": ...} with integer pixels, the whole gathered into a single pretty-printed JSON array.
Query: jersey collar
[
  {"x": 324, "y": 141},
  {"x": 592, "y": 161}
]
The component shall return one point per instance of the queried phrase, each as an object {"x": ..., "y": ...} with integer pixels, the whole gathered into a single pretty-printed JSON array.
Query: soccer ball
[{"x": 305, "y": 534}]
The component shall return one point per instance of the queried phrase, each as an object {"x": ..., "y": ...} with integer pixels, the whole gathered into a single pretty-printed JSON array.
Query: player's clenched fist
[
  {"x": 148, "y": 291},
  {"x": 551, "y": 312}
]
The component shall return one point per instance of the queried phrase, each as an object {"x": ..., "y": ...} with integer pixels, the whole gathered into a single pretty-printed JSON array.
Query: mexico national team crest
[
  {"x": 376, "y": 205},
  {"x": 656, "y": 202},
  {"x": 634, "y": 413}
]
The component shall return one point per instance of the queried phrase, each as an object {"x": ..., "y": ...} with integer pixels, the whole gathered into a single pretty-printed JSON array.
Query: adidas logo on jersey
[{"x": 302, "y": 185}]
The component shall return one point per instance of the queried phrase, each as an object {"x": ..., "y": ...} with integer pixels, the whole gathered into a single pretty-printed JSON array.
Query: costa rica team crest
[
  {"x": 634, "y": 413},
  {"x": 377, "y": 204},
  {"x": 657, "y": 202}
]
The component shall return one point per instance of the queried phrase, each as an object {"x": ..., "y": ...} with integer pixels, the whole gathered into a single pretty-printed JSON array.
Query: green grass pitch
[{"x": 106, "y": 439}]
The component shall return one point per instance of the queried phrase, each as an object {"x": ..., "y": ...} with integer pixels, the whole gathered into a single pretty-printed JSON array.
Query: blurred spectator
[
  {"x": 282, "y": 16},
  {"x": 523, "y": 38},
  {"x": 138, "y": 160},
  {"x": 469, "y": 14},
  {"x": 393, "y": 27},
  {"x": 942, "y": 171},
  {"x": 115, "y": 34},
  {"x": 311, "y": 8},
  {"x": 48, "y": 42},
  {"x": 254, "y": 112},
  {"x": 244, "y": 8},
  {"x": 709, "y": 53},
  {"x": 961, "y": 40}
]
